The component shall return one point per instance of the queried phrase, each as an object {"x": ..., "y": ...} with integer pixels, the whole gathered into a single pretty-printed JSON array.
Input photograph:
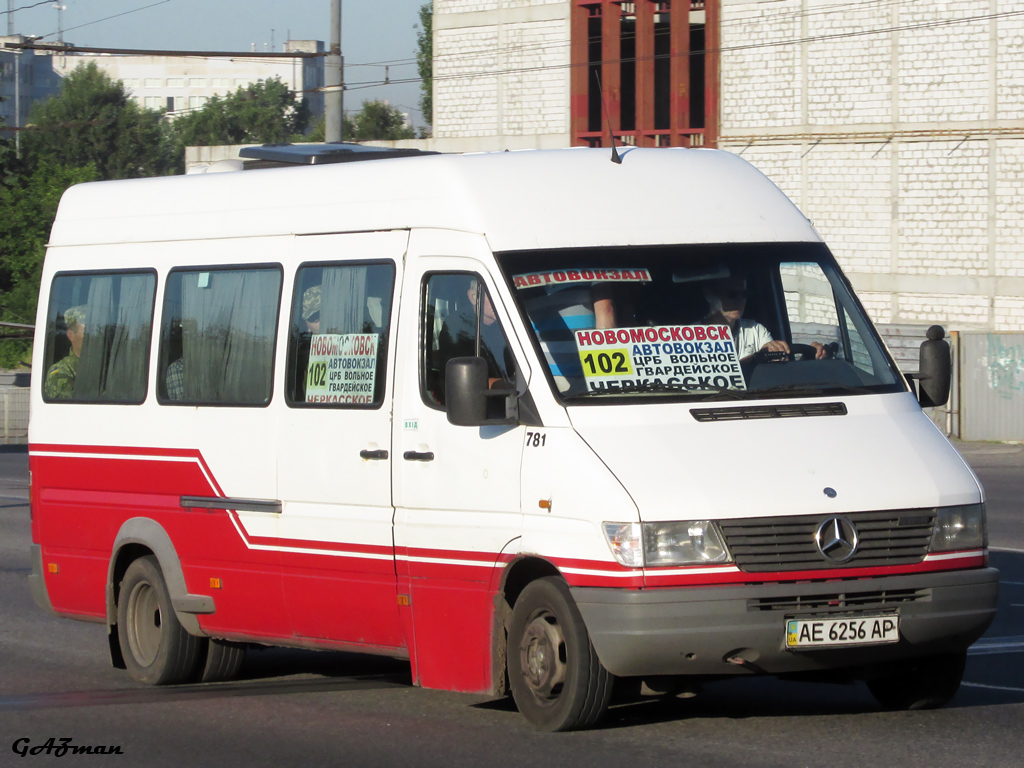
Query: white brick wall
[
  {"x": 943, "y": 69},
  {"x": 509, "y": 78},
  {"x": 943, "y": 208},
  {"x": 853, "y": 88},
  {"x": 464, "y": 6},
  {"x": 760, "y": 86},
  {"x": 465, "y": 95},
  {"x": 932, "y": 224},
  {"x": 534, "y": 98},
  {"x": 1010, "y": 208}
]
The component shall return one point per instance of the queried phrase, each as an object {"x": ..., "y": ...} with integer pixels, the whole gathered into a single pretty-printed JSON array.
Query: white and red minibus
[{"x": 538, "y": 422}]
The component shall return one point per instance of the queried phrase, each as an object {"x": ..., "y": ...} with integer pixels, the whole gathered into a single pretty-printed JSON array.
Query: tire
[
  {"x": 925, "y": 683},
  {"x": 223, "y": 661},
  {"x": 156, "y": 648},
  {"x": 557, "y": 680}
]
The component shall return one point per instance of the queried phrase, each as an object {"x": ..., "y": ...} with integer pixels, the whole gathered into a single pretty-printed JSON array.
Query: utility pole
[
  {"x": 334, "y": 80},
  {"x": 10, "y": 18},
  {"x": 60, "y": 22}
]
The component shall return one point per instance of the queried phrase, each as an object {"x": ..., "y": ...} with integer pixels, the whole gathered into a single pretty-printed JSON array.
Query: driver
[{"x": 727, "y": 298}]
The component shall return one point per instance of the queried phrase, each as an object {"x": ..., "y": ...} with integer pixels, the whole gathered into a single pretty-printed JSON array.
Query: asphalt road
[{"x": 312, "y": 709}]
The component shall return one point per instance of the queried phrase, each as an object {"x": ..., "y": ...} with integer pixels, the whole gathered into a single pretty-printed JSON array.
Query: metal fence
[
  {"x": 991, "y": 376},
  {"x": 14, "y": 402}
]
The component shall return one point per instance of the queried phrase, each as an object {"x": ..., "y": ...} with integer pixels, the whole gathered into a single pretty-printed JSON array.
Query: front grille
[
  {"x": 787, "y": 543},
  {"x": 839, "y": 602}
]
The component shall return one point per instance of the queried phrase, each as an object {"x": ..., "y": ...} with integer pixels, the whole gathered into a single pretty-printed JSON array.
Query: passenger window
[
  {"x": 338, "y": 337},
  {"x": 217, "y": 336},
  {"x": 450, "y": 329},
  {"x": 98, "y": 337}
]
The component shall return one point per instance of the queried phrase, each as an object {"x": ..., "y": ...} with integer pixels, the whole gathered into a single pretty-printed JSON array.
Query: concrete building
[
  {"x": 184, "y": 83},
  {"x": 24, "y": 77},
  {"x": 175, "y": 83},
  {"x": 897, "y": 126}
]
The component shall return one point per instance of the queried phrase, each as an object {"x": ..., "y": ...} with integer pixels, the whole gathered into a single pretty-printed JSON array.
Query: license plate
[{"x": 821, "y": 633}]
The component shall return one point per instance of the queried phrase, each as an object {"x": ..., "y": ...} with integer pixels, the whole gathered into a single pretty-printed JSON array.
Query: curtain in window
[
  {"x": 228, "y": 329},
  {"x": 343, "y": 300},
  {"x": 115, "y": 350}
]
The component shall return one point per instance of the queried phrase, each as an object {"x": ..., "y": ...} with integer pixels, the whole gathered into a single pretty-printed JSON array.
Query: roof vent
[{"x": 285, "y": 155}]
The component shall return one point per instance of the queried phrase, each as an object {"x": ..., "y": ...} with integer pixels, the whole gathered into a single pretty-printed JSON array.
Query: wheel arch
[
  {"x": 140, "y": 536},
  {"x": 514, "y": 578}
]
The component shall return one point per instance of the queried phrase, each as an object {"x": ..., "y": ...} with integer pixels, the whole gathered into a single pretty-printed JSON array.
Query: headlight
[
  {"x": 959, "y": 528},
  {"x": 685, "y": 542}
]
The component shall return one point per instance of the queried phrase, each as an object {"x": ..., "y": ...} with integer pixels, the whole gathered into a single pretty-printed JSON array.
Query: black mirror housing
[
  {"x": 467, "y": 394},
  {"x": 936, "y": 369}
]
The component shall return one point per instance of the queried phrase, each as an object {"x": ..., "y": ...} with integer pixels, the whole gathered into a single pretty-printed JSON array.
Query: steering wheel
[
  {"x": 802, "y": 352},
  {"x": 796, "y": 352}
]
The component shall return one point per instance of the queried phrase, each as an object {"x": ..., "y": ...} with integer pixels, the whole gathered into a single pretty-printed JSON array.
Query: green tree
[
  {"x": 378, "y": 120},
  {"x": 319, "y": 129},
  {"x": 425, "y": 60},
  {"x": 28, "y": 205},
  {"x": 93, "y": 121},
  {"x": 262, "y": 113}
]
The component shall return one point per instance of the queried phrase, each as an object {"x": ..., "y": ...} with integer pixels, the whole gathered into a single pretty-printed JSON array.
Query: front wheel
[
  {"x": 557, "y": 680},
  {"x": 156, "y": 648},
  {"x": 927, "y": 683}
]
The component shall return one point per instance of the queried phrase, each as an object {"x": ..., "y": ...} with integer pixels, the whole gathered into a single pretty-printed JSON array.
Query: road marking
[
  {"x": 1006, "y": 549},
  {"x": 991, "y": 645},
  {"x": 1013, "y": 583},
  {"x": 994, "y": 687}
]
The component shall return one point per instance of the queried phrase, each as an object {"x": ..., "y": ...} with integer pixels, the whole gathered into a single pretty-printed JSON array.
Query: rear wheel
[
  {"x": 156, "y": 648},
  {"x": 557, "y": 680},
  {"x": 223, "y": 661},
  {"x": 926, "y": 683}
]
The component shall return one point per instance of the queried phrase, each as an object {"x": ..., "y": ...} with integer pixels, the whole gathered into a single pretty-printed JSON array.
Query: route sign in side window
[
  {"x": 98, "y": 337},
  {"x": 218, "y": 334},
  {"x": 338, "y": 335}
]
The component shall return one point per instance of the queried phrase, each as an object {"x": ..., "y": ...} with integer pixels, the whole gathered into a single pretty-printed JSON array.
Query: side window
[
  {"x": 452, "y": 327},
  {"x": 217, "y": 336},
  {"x": 98, "y": 337},
  {"x": 810, "y": 304},
  {"x": 338, "y": 335}
]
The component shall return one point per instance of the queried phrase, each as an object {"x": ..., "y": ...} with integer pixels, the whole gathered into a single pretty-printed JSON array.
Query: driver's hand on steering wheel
[{"x": 820, "y": 352}]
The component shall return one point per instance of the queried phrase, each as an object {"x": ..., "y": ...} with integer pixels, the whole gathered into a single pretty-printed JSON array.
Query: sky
[{"x": 374, "y": 32}]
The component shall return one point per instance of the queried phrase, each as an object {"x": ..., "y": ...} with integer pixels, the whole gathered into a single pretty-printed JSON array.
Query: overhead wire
[
  {"x": 722, "y": 49},
  {"x": 26, "y": 7},
  {"x": 106, "y": 18}
]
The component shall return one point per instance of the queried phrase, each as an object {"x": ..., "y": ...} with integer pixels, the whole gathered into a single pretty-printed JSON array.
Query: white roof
[{"x": 518, "y": 200}]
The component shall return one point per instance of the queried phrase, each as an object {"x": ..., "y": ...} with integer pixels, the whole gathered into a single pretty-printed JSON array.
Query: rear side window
[
  {"x": 340, "y": 327},
  {"x": 217, "y": 338},
  {"x": 98, "y": 333}
]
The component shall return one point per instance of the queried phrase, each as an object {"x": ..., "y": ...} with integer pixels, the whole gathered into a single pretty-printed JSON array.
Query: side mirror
[
  {"x": 467, "y": 395},
  {"x": 936, "y": 369}
]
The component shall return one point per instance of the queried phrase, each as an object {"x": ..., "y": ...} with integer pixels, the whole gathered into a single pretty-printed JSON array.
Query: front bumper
[{"x": 696, "y": 631}]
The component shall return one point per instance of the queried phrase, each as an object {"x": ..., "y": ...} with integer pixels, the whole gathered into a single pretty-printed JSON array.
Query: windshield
[{"x": 738, "y": 321}]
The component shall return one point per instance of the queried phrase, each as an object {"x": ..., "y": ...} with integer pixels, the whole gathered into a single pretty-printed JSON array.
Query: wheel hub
[{"x": 542, "y": 655}]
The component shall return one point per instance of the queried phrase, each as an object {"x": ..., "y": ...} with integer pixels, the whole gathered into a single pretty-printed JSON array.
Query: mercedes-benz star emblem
[{"x": 837, "y": 539}]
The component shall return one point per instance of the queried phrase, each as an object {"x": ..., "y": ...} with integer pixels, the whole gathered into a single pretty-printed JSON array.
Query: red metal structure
[{"x": 645, "y": 72}]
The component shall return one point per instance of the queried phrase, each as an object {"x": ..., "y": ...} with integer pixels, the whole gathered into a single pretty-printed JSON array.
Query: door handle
[
  {"x": 373, "y": 455},
  {"x": 417, "y": 456}
]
